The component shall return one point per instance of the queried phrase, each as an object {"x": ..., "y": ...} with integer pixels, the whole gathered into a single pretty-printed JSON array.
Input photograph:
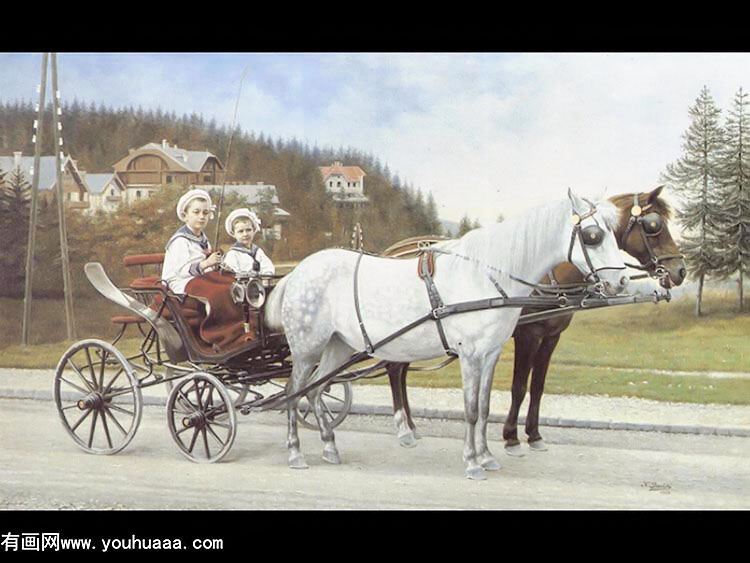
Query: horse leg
[
  {"x": 484, "y": 456},
  {"x": 470, "y": 373},
  {"x": 538, "y": 377},
  {"x": 397, "y": 379},
  {"x": 526, "y": 346},
  {"x": 404, "y": 394},
  {"x": 300, "y": 372},
  {"x": 335, "y": 355}
]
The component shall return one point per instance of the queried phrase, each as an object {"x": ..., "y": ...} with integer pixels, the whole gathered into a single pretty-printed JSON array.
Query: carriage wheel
[
  {"x": 98, "y": 397},
  {"x": 337, "y": 400},
  {"x": 201, "y": 418},
  {"x": 237, "y": 391}
]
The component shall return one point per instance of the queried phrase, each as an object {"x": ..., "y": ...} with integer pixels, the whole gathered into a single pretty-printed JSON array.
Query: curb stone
[{"x": 382, "y": 410}]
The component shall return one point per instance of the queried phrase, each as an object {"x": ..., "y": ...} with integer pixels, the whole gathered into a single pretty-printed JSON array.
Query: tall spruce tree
[
  {"x": 696, "y": 178},
  {"x": 15, "y": 197},
  {"x": 735, "y": 193}
]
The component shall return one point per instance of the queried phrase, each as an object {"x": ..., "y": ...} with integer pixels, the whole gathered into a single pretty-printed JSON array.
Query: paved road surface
[{"x": 40, "y": 468}]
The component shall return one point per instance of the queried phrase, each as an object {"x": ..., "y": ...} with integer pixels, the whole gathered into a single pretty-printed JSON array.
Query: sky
[{"x": 486, "y": 133}]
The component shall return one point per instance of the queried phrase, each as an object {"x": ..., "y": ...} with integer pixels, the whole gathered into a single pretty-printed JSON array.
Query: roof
[
  {"x": 47, "y": 172},
  {"x": 252, "y": 192},
  {"x": 192, "y": 160},
  {"x": 97, "y": 182},
  {"x": 351, "y": 173}
]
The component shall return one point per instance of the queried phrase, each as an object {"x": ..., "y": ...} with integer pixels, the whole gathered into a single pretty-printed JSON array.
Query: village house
[
  {"x": 345, "y": 185},
  {"x": 75, "y": 192},
  {"x": 144, "y": 169},
  {"x": 106, "y": 192},
  {"x": 257, "y": 194}
]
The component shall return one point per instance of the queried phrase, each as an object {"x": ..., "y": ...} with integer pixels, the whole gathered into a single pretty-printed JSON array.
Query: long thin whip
[{"x": 229, "y": 155}]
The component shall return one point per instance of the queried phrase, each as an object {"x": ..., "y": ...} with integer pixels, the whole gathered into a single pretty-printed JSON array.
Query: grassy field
[{"x": 617, "y": 352}]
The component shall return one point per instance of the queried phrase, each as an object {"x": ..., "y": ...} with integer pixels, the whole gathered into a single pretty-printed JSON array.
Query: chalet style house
[
  {"x": 345, "y": 185},
  {"x": 136, "y": 177}
]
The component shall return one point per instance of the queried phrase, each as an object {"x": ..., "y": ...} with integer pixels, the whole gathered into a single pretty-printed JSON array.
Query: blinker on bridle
[
  {"x": 651, "y": 226},
  {"x": 589, "y": 237}
]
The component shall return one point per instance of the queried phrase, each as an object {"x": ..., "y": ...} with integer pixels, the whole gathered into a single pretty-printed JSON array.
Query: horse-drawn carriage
[{"x": 98, "y": 388}]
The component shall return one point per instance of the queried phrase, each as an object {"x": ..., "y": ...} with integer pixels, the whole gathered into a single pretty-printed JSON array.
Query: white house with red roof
[{"x": 345, "y": 184}]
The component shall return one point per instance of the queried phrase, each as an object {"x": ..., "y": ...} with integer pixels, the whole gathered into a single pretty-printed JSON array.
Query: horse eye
[{"x": 652, "y": 224}]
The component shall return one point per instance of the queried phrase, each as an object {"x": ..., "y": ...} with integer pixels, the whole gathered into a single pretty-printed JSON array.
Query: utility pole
[
  {"x": 59, "y": 162},
  {"x": 38, "y": 128},
  {"x": 32, "y": 218}
]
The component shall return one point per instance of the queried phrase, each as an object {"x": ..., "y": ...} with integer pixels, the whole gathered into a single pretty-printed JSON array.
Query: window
[
  {"x": 112, "y": 191},
  {"x": 138, "y": 193},
  {"x": 170, "y": 178},
  {"x": 330, "y": 184},
  {"x": 338, "y": 184}
]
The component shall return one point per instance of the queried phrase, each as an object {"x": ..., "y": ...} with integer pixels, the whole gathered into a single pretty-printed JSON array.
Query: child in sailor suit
[
  {"x": 244, "y": 256},
  {"x": 188, "y": 253}
]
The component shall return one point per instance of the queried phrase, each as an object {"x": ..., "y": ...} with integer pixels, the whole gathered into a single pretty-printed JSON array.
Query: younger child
[
  {"x": 188, "y": 252},
  {"x": 244, "y": 256}
]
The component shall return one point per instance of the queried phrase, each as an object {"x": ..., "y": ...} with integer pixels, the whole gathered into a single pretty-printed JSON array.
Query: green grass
[{"x": 602, "y": 352}]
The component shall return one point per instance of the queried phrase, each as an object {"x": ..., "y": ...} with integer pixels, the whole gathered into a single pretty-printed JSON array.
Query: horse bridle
[
  {"x": 589, "y": 237},
  {"x": 651, "y": 226}
]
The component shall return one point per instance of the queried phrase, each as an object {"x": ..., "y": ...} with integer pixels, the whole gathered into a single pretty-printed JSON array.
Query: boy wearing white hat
[
  {"x": 188, "y": 253},
  {"x": 244, "y": 256}
]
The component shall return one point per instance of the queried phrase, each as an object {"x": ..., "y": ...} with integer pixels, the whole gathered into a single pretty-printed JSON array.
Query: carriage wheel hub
[
  {"x": 195, "y": 420},
  {"x": 93, "y": 400}
]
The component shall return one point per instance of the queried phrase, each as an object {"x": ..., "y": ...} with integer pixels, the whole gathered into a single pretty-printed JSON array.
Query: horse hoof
[
  {"x": 407, "y": 440},
  {"x": 297, "y": 462},
  {"x": 491, "y": 464},
  {"x": 538, "y": 446},
  {"x": 417, "y": 435},
  {"x": 514, "y": 450},
  {"x": 476, "y": 474},
  {"x": 331, "y": 457}
]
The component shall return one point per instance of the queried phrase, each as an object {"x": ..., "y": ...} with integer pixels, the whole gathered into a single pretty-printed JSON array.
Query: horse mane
[
  {"x": 509, "y": 245},
  {"x": 660, "y": 206}
]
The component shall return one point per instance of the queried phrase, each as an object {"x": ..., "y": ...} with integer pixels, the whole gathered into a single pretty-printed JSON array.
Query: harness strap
[
  {"x": 435, "y": 301},
  {"x": 368, "y": 344}
]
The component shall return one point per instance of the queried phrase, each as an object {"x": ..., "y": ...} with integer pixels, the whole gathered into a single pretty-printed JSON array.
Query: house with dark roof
[
  {"x": 144, "y": 169},
  {"x": 345, "y": 184},
  {"x": 75, "y": 191}
]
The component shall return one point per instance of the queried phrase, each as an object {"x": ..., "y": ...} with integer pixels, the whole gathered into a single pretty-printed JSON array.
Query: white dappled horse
[{"x": 315, "y": 306}]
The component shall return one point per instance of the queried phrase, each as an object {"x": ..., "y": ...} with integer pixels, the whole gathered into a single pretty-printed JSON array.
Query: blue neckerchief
[
  {"x": 185, "y": 232},
  {"x": 252, "y": 251}
]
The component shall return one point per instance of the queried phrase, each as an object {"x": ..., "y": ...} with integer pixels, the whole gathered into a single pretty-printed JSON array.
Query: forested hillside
[{"x": 97, "y": 137}]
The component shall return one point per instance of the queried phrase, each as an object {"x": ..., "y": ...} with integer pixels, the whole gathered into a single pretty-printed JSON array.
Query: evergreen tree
[
  {"x": 735, "y": 193},
  {"x": 15, "y": 197},
  {"x": 696, "y": 177},
  {"x": 464, "y": 226}
]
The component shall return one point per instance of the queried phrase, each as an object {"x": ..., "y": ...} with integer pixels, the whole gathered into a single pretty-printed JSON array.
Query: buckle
[{"x": 439, "y": 312}]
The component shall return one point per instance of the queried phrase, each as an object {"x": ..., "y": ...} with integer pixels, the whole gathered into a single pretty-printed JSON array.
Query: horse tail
[{"x": 273, "y": 305}]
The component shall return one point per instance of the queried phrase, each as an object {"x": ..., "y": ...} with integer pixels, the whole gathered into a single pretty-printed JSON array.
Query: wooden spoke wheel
[
  {"x": 201, "y": 417},
  {"x": 98, "y": 397},
  {"x": 337, "y": 401}
]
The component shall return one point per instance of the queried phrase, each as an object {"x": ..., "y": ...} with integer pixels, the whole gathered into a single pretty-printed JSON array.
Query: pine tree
[
  {"x": 735, "y": 193},
  {"x": 15, "y": 198},
  {"x": 464, "y": 225},
  {"x": 696, "y": 178}
]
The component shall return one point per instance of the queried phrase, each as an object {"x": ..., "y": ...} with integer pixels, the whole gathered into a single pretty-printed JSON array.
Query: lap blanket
[{"x": 223, "y": 326}]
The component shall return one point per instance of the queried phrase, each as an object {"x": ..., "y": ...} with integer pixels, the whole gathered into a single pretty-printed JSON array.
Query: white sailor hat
[
  {"x": 238, "y": 213},
  {"x": 190, "y": 196}
]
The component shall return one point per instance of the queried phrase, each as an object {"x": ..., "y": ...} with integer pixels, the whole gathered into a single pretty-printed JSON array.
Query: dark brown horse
[{"x": 643, "y": 233}]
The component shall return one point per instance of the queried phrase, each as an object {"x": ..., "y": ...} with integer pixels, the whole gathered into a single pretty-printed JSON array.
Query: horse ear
[
  {"x": 655, "y": 194},
  {"x": 578, "y": 204}
]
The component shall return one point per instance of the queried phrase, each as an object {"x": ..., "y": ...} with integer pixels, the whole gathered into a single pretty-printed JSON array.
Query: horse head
[
  {"x": 643, "y": 233},
  {"x": 592, "y": 246}
]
